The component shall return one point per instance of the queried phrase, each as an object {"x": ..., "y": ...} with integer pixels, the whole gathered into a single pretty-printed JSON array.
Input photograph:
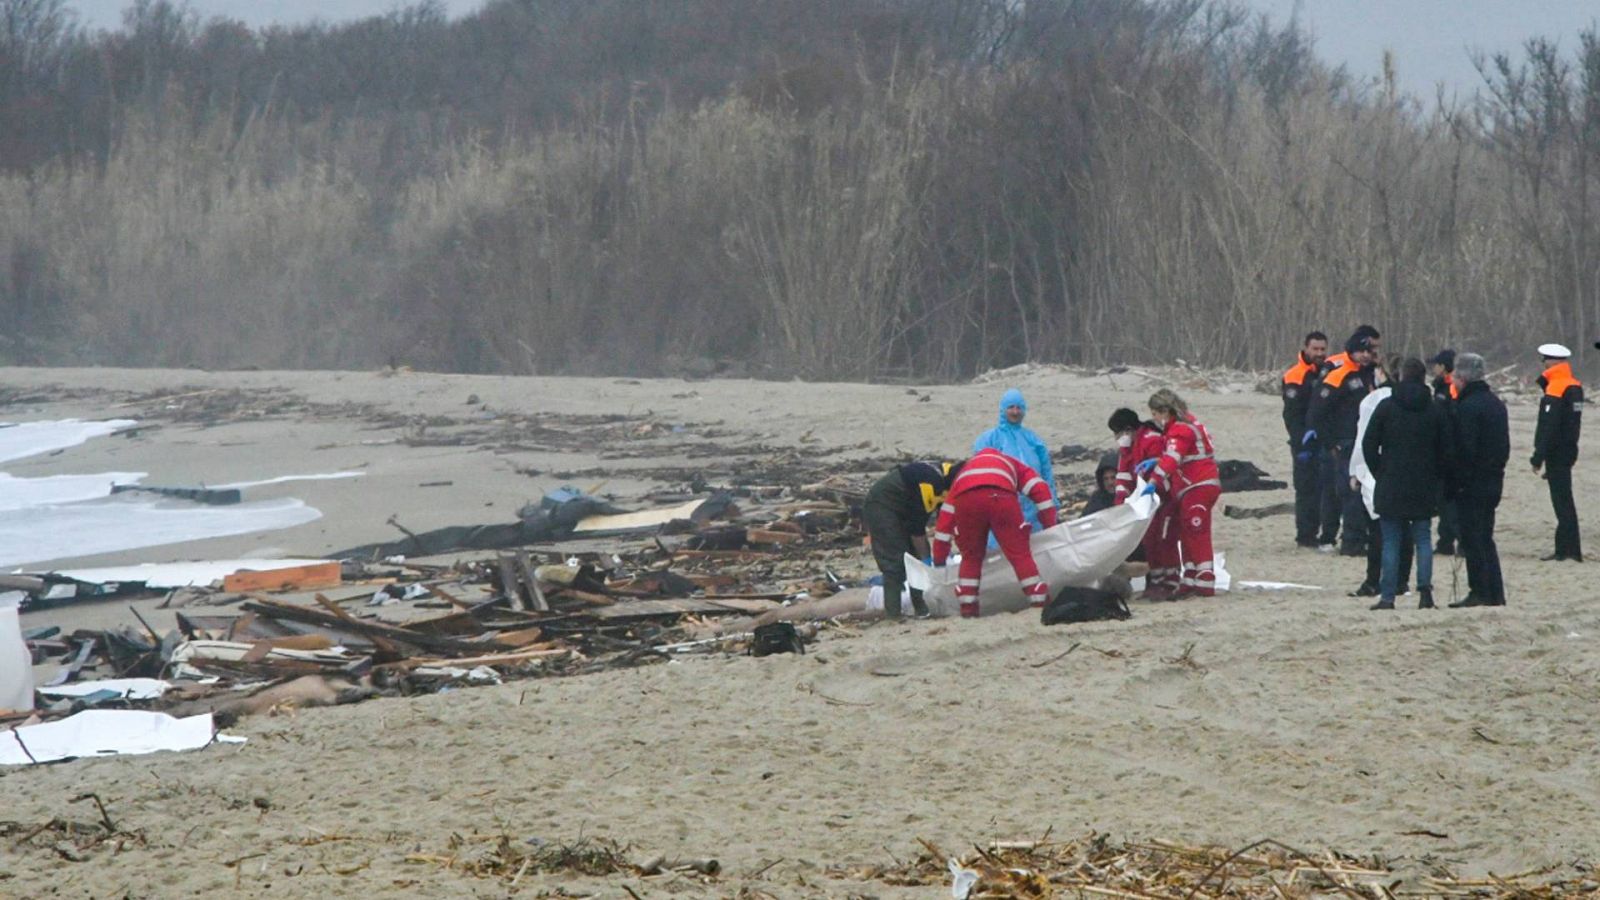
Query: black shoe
[
  {"x": 1446, "y": 549},
  {"x": 1352, "y": 550},
  {"x": 1562, "y": 557},
  {"x": 1367, "y": 589},
  {"x": 1475, "y": 600},
  {"x": 1402, "y": 590},
  {"x": 1427, "y": 598},
  {"x": 1382, "y": 604},
  {"x": 1306, "y": 545}
]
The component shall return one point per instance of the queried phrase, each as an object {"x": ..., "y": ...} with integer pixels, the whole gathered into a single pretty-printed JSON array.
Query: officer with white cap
[{"x": 1555, "y": 445}]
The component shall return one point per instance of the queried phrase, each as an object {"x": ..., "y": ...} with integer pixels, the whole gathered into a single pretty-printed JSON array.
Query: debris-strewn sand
[{"x": 1462, "y": 737}]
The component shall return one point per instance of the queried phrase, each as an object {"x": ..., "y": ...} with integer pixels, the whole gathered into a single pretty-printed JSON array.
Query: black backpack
[
  {"x": 1077, "y": 604},
  {"x": 776, "y": 637}
]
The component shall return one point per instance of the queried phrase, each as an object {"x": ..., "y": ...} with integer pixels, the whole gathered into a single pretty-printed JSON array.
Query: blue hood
[{"x": 1012, "y": 397}]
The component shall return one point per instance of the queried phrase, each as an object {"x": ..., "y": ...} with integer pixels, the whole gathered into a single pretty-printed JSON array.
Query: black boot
[
  {"x": 1382, "y": 604},
  {"x": 1367, "y": 589},
  {"x": 1427, "y": 598}
]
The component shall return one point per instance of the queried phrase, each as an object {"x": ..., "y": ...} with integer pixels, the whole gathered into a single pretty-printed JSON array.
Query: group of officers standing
[{"x": 1378, "y": 453}]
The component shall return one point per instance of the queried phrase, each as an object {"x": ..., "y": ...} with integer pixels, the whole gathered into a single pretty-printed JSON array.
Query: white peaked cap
[{"x": 1554, "y": 351}]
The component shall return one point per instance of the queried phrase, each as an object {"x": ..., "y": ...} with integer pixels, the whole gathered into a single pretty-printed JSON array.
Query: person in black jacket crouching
[
  {"x": 1482, "y": 445},
  {"x": 1406, "y": 447}
]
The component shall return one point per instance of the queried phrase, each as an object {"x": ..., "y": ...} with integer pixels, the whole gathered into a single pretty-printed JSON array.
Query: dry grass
[{"x": 1095, "y": 866}]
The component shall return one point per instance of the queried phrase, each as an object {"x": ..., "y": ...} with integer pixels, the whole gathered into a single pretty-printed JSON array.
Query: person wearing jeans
[
  {"x": 1419, "y": 534},
  {"x": 1406, "y": 446}
]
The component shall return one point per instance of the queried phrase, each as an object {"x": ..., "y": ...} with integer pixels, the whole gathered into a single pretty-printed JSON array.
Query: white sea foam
[
  {"x": 62, "y": 516},
  {"x": 19, "y": 441}
]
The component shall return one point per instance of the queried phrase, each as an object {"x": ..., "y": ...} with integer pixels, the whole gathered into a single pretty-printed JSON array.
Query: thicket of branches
[{"x": 828, "y": 188}]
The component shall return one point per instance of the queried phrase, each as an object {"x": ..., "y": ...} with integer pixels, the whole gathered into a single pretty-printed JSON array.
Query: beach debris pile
[
  {"x": 1095, "y": 865},
  {"x": 629, "y": 589}
]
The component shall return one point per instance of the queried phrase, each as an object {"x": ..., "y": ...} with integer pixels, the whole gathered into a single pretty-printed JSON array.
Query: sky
[{"x": 1432, "y": 39}]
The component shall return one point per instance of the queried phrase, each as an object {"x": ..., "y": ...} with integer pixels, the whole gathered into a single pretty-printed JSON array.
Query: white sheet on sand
[
  {"x": 1077, "y": 553},
  {"x": 19, "y": 441},
  {"x": 165, "y": 576},
  {"x": 107, "y": 732},
  {"x": 127, "y": 688}
]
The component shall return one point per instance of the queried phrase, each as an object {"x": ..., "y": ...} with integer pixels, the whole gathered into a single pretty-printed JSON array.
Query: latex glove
[
  {"x": 1146, "y": 466},
  {"x": 928, "y": 560},
  {"x": 1148, "y": 490},
  {"x": 1305, "y": 441}
]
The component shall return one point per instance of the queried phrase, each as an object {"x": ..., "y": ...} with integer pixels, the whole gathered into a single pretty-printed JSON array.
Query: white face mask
[{"x": 1124, "y": 440}]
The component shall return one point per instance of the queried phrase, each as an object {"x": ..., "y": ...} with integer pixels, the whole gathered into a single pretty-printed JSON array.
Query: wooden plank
[
  {"x": 497, "y": 659},
  {"x": 508, "y": 582},
  {"x": 637, "y": 521},
  {"x": 770, "y": 536},
  {"x": 382, "y": 644},
  {"x": 521, "y": 637},
  {"x": 639, "y": 609},
  {"x": 525, "y": 568},
  {"x": 300, "y": 577},
  {"x": 370, "y": 630}
]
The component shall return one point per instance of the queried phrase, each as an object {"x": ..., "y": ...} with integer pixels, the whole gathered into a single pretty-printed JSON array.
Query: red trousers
[
  {"x": 1178, "y": 544},
  {"x": 979, "y": 512},
  {"x": 1161, "y": 551}
]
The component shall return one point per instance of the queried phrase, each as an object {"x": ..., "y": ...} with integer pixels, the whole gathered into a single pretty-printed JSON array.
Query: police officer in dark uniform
[
  {"x": 1555, "y": 445},
  {"x": 1331, "y": 426},
  {"x": 1298, "y": 384}
]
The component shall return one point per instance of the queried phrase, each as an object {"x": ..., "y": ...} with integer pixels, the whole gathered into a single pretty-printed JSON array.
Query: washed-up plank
[
  {"x": 622, "y": 523},
  {"x": 301, "y": 577},
  {"x": 640, "y": 609},
  {"x": 370, "y": 630},
  {"x": 547, "y": 651}
]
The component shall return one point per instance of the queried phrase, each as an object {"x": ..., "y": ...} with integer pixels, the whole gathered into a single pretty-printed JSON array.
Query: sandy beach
[{"x": 1462, "y": 738}]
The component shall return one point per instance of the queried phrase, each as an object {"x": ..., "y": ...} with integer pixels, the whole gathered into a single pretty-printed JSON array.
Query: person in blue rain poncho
[{"x": 1012, "y": 439}]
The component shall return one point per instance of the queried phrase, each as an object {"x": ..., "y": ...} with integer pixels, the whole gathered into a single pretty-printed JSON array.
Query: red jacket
[
  {"x": 1189, "y": 460},
  {"x": 990, "y": 469},
  {"x": 1148, "y": 443}
]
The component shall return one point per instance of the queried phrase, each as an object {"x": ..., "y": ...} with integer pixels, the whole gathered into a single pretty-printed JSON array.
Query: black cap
[
  {"x": 1122, "y": 420},
  {"x": 1597, "y": 345},
  {"x": 1357, "y": 342},
  {"x": 1445, "y": 357}
]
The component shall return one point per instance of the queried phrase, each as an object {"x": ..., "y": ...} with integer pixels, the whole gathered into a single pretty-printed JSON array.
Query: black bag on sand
[
  {"x": 776, "y": 637},
  {"x": 1077, "y": 604}
]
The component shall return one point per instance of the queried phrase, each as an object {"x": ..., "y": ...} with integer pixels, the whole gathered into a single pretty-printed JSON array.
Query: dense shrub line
[{"x": 825, "y": 188}]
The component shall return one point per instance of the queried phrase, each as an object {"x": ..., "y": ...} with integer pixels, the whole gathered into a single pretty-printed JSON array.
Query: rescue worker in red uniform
[
  {"x": 1137, "y": 441},
  {"x": 983, "y": 499},
  {"x": 1186, "y": 476}
]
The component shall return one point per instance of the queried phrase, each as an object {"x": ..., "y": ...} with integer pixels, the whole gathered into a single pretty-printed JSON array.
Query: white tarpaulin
[
  {"x": 16, "y": 663},
  {"x": 106, "y": 732},
  {"x": 127, "y": 688},
  {"x": 1076, "y": 553}
]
